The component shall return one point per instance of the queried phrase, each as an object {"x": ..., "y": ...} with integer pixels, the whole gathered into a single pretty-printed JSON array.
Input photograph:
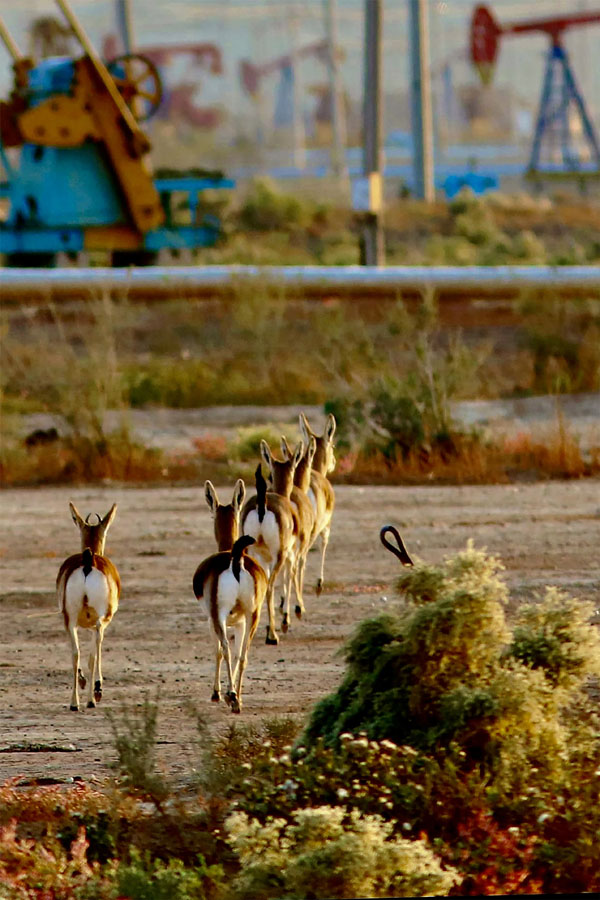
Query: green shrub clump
[
  {"x": 448, "y": 670},
  {"x": 325, "y": 852}
]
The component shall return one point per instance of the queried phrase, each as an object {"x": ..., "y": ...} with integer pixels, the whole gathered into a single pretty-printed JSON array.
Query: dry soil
[{"x": 545, "y": 533}]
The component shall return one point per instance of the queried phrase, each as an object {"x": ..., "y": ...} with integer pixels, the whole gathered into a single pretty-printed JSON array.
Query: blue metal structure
[
  {"x": 83, "y": 179},
  {"x": 554, "y": 151},
  {"x": 553, "y": 130}
]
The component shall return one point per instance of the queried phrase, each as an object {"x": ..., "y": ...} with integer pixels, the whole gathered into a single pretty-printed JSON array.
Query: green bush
[
  {"x": 326, "y": 852},
  {"x": 554, "y": 635},
  {"x": 146, "y": 879},
  {"x": 246, "y": 446},
  {"x": 267, "y": 209},
  {"x": 134, "y": 734},
  {"x": 446, "y": 670}
]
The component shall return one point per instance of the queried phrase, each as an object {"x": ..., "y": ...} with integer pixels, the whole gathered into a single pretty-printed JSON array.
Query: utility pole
[
  {"x": 338, "y": 115},
  {"x": 298, "y": 130},
  {"x": 421, "y": 111},
  {"x": 372, "y": 238},
  {"x": 124, "y": 23}
]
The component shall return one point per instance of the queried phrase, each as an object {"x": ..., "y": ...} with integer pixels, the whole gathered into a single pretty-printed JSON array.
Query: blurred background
[{"x": 247, "y": 86}]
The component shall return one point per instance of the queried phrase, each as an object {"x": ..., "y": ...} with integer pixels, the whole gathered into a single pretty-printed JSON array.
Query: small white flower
[
  {"x": 342, "y": 793},
  {"x": 289, "y": 786},
  {"x": 406, "y": 826},
  {"x": 543, "y": 818}
]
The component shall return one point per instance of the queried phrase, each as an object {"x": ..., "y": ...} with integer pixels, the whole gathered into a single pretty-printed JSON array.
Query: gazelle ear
[
  {"x": 265, "y": 452},
  {"x": 107, "y": 520},
  {"x": 298, "y": 453},
  {"x": 312, "y": 449},
  {"x": 305, "y": 428},
  {"x": 239, "y": 494},
  {"x": 330, "y": 427},
  {"x": 286, "y": 450},
  {"x": 210, "y": 494},
  {"x": 75, "y": 515}
]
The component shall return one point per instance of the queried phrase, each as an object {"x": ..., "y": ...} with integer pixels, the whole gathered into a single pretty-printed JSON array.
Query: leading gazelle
[
  {"x": 281, "y": 474},
  {"x": 233, "y": 587},
  {"x": 320, "y": 491},
  {"x": 88, "y": 589},
  {"x": 272, "y": 521}
]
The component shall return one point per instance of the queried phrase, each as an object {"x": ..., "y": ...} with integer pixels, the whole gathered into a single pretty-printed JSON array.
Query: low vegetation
[
  {"x": 459, "y": 756},
  {"x": 389, "y": 369}
]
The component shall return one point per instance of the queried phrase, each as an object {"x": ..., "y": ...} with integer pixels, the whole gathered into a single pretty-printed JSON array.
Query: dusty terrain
[{"x": 546, "y": 533}]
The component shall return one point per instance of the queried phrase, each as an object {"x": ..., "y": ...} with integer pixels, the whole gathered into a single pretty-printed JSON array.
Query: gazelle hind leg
[
  {"x": 300, "y": 570},
  {"x": 95, "y": 669},
  {"x": 272, "y": 636},
  {"x": 289, "y": 578},
  {"x": 92, "y": 662},
  {"x": 216, "y": 694},
  {"x": 324, "y": 542},
  {"x": 221, "y": 630},
  {"x": 98, "y": 674},
  {"x": 76, "y": 670},
  {"x": 241, "y": 632}
]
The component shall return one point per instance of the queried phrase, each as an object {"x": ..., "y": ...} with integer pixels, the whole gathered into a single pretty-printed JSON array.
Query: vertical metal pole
[
  {"x": 422, "y": 117},
  {"x": 543, "y": 118},
  {"x": 338, "y": 116},
  {"x": 373, "y": 249},
  {"x": 9, "y": 43},
  {"x": 299, "y": 133},
  {"x": 124, "y": 23}
]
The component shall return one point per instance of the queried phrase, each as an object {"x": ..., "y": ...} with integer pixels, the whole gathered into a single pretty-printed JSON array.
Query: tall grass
[{"x": 389, "y": 372}]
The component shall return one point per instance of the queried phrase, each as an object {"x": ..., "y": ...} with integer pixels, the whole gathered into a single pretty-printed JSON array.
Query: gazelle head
[
  {"x": 324, "y": 457},
  {"x": 226, "y": 516},
  {"x": 302, "y": 473},
  {"x": 93, "y": 533},
  {"x": 281, "y": 471}
]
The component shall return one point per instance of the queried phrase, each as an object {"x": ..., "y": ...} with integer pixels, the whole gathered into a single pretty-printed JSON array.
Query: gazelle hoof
[
  {"x": 233, "y": 702},
  {"x": 285, "y": 623},
  {"x": 91, "y": 704},
  {"x": 74, "y": 708},
  {"x": 319, "y": 587},
  {"x": 299, "y": 612},
  {"x": 97, "y": 692},
  {"x": 215, "y": 697},
  {"x": 271, "y": 639}
]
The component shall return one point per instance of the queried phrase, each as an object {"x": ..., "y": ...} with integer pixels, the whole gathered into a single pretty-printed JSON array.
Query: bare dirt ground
[{"x": 546, "y": 533}]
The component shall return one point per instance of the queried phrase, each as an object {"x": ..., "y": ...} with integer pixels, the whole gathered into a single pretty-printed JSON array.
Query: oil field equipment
[
  {"x": 83, "y": 180},
  {"x": 556, "y": 151}
]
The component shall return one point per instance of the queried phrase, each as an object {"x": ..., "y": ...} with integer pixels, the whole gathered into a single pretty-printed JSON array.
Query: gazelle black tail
[
  {"x": 237, "y": 551},
  {"x": 261, "y": 493},
  {"x": 88, "y": 561}
]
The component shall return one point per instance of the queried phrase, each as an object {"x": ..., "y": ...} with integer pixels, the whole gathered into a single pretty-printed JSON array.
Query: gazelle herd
[{"x": 279, "y": 525}]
